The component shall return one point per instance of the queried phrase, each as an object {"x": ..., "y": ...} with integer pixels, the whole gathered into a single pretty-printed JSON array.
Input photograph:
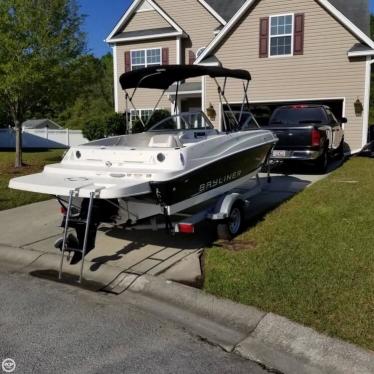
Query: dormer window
[{"x": 281, "y": 35}]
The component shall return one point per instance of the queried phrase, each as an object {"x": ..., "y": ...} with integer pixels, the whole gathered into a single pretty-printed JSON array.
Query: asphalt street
[{"x": 48, "y": 327}]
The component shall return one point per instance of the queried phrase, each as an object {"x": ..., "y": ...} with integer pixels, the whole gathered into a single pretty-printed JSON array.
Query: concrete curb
[
  {"x": 226, "y": 312},
  {"x": 271, "y": 340},
  {"x": 266, "y": 338}
]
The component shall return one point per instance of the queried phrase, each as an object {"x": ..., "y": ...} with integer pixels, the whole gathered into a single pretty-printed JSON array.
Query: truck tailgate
[{"x": 292, "y": 137}]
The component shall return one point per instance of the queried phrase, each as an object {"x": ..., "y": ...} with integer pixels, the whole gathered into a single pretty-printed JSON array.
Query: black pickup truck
[{"x": 307, "y": 133}]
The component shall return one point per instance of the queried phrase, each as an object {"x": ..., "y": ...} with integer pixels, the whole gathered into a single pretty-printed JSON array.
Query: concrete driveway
[{"x": 37, "y": 226}]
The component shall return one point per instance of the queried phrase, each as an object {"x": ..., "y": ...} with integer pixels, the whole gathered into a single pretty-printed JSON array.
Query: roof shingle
[{"x": 356, "y": 11}]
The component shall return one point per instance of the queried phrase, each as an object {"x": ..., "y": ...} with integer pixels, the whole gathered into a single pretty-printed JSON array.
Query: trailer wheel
[{"x": 231, "y": 227}]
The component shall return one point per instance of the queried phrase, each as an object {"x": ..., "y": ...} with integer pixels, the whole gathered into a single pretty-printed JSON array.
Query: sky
[{"x": 102, "y": 16}]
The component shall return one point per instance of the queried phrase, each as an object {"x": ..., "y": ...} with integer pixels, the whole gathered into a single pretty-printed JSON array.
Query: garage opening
[{"x": 263, "y": 111}]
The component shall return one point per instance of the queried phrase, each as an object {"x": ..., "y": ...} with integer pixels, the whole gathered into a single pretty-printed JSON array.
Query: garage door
[{"x": 263, "y": 111}]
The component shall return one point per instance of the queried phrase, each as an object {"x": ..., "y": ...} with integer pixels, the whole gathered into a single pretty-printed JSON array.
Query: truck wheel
[
  {"x": 322, "y": 162},
  {"x": 231, "y": 227}
]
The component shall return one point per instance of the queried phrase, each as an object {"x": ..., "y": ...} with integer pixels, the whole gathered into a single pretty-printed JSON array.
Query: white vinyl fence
[{"x": 42, "y": 138}]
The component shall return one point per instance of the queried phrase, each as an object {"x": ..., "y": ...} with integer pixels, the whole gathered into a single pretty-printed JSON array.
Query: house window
[
  {"x": 144, "y": 114},
  {"x": 143, "y": 58},
  {"x": 281, "y": 35}
]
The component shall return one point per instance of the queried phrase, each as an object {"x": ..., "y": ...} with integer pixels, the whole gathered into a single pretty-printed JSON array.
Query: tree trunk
[{"x": 18, "y": 128}]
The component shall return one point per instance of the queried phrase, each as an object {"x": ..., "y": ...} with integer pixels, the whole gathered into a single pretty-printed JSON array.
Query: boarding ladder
[{"x": 87, "y": 222}]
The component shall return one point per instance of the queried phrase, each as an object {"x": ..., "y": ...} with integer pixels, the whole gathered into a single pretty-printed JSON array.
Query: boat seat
[{"x": 165, "y": 141}]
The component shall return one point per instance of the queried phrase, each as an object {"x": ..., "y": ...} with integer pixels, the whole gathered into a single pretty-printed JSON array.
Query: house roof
[
  {"x": 129, "y": 13},
  {"x": 225, "y": 8},
  {"x": 331, "y": 8},
  {"x": 211, "y": 60},
  {"x": 163, "y": 31},
  {"x": 359, "y": 50},
  {"x": 185, "y": 88},
  {"x": 356, "y": 11}
]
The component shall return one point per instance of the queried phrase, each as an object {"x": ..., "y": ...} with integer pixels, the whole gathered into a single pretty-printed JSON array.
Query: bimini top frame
[{"x": 162, "y": 77}]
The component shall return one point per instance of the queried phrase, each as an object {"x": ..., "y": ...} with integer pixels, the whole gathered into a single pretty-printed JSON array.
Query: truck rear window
[{"x": 298, "y": 116}]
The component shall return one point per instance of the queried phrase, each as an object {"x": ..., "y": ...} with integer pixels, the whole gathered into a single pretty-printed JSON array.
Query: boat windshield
[
  {"x": 240, "y": 121},
  {"x": 183, "y": 121}
]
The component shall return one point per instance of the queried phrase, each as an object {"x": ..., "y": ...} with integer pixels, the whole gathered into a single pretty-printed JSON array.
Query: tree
[
  {"x": 40, "y": 41},
  {"x": 91, "y": 92}
]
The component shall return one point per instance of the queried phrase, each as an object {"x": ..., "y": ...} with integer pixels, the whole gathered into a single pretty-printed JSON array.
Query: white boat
[
  {"x": 180, "y": 162},
  {"x": 181, "y": 158}
]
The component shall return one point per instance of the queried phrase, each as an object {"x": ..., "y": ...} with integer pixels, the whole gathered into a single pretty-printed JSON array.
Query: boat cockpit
[{"x": 178, "y": 131}]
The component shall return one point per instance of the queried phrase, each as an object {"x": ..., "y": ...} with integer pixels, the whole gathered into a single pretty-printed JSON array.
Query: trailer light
[
  {"x": 186, "y": 228},
  {"x": 63, "y": 210},
  {"x": 316, "y": 138}
]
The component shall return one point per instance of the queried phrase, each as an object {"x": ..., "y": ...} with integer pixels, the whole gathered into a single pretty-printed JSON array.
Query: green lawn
[
  {"x": 34, "y": 162},
  {"x": 311, "y": 259}
]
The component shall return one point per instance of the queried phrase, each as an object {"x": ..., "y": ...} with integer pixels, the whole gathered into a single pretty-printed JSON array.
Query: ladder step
[{"x": 69, "y": 241}]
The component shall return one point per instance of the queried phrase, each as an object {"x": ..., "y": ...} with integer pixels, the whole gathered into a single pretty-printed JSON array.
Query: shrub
[
  {"x": 116, "y": 124},
  {"x": 94, "y": 129}
]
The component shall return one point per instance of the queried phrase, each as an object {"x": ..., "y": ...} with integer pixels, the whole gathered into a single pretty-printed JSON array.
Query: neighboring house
[
  {"x": 40, "y": 124},
  {"x": 298, "y": 51}
]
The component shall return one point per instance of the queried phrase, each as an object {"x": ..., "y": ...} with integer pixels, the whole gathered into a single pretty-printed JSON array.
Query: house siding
[
  {"x": 144, "y": 98},
  {"x": 145, "y": 21},
  {"x": 195, "y": 20},
  {"x": 324, "y": 71}
]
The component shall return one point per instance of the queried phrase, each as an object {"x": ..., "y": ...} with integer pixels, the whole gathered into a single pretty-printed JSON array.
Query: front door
[{"x": 191, "y": 105}]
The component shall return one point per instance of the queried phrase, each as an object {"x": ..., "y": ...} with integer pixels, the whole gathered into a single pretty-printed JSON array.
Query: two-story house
[{"x": 297, "y": 51}]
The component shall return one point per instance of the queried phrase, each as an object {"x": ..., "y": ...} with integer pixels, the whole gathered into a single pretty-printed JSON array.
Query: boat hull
[{"x": 211, "y": 177}]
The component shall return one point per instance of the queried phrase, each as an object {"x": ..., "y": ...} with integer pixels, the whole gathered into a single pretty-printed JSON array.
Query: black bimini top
[{"x": 162, "y": 77}]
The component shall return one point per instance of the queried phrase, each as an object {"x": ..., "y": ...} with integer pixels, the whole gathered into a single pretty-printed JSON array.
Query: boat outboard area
[{"x": 178, "y": 163}]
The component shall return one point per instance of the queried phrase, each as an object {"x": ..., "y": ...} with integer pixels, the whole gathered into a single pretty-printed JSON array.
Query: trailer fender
[{"x": 223, "y": 206}]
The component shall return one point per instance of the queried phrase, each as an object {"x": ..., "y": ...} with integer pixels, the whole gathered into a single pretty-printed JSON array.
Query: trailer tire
[{"x": 232, "y": 226}]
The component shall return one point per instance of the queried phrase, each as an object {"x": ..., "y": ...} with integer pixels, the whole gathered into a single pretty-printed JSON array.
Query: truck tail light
[
  {"x": 186, "y": 228},
  {"x": 63, "y": 210},
  {"x": 316, "y": 138}
]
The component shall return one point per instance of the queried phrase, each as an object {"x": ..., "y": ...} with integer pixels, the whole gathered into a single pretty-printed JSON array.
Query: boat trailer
[{"x": 226, "y": 210}]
